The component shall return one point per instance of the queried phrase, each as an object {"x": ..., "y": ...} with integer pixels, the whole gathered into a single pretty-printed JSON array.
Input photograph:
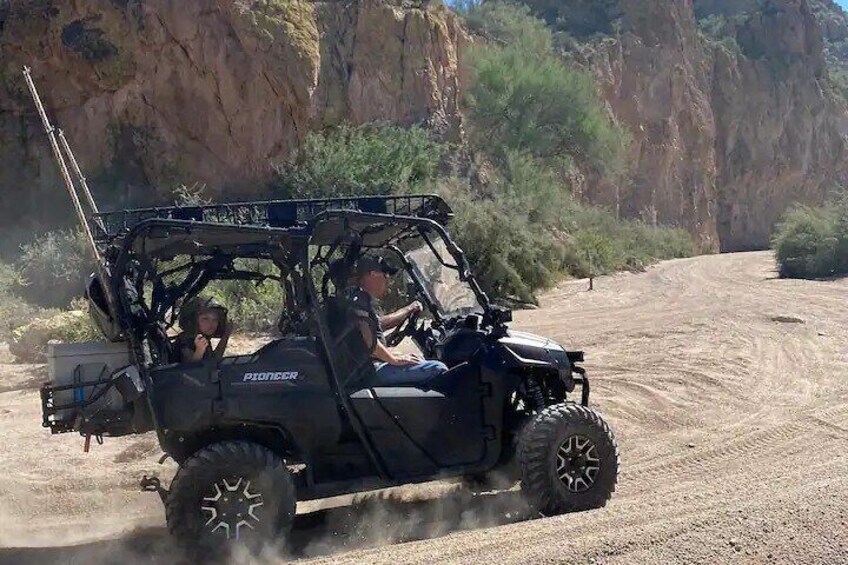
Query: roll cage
[{"x": 158, "y": 258}]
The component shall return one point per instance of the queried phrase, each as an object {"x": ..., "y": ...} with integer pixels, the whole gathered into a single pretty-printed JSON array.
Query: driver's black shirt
[{"x": 363, "y": 307}]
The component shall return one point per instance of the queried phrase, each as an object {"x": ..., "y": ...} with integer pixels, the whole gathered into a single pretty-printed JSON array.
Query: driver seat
[{"x": 352, "y": 357}]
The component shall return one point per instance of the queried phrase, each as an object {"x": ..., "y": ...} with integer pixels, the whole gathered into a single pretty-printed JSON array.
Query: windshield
[{"x": 452, "y": 296}]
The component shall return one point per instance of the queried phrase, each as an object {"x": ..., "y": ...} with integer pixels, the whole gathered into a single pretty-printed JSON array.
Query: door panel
[
  {"x": 444, "y": 419},
  {"x": 401, "y": 455},
  {"x": 283, "y": 383}
]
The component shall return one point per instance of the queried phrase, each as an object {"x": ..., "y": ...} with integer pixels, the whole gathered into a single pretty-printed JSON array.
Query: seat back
[{"x": 351, "y": 354}]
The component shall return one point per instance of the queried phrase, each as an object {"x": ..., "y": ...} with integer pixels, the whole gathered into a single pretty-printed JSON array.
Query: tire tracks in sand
[{"x": 732, "y": 422}]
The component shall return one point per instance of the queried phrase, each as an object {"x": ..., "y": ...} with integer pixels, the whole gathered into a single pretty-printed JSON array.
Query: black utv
[{"x": 303, "y": 417}]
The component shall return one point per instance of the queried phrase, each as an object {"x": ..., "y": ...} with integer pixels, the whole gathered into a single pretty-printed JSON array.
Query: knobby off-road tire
[
  {"x": 229, "y": 494},
  {"x": 568, "y": 459}
]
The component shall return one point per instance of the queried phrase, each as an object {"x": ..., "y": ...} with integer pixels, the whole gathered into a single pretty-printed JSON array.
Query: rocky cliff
[
  {"x": 730, "y": 111},
  {"x": 153, "y": 93},
  {"x": 730, "y": 103}
]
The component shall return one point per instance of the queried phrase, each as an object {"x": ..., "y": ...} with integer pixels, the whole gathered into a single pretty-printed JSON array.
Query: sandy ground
[{"x": 727, "y": 389}]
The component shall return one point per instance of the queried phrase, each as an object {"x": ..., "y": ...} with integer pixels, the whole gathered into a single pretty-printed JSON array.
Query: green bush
[
  {"x": 812, "y": 242},
  {"x": 615, "y": 245},
  {"x": 10, "y": 279},
  {"x": 510, "y": 24},
  {"x": 532, "y": 187},
  {"x": 520, "y": 245},
  {"x": 14, "y": 311},
  {"x": 534, "y": 116},
  {"x": 539, "y": 106},
  {"x": 53, "y": 268},
  {"x": 359, "y": 161},
  {"x": 82, "y": 330},
  {"x": 510, "y": 256},
  {"x": 29, "y": 341}
]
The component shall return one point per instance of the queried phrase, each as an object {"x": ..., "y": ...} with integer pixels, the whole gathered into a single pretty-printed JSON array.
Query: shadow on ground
[{"x": 370, "y": 521}]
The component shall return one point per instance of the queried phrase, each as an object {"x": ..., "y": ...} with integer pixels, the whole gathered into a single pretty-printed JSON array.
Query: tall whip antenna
[
  {"x": 75, "y": 166},
  {"x": 102, "y": 269}
]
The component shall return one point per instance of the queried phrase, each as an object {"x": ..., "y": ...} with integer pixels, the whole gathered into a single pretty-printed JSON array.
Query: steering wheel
[{"x": 407, "y": 328}]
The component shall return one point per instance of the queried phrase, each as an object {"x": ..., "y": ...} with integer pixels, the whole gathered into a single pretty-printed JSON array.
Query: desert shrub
[
  {"x": 53, "y": 268},
  {"x": 28, "y": 342},
  {"x": 517, "y": 249},
  {"x": 526, "y": 99},
  {"x": 362, "y": 160},
  {"x": 521, "y": 232},
  {"x": 14, "y": 311},
  {"x": 82, "y": 330},
  {"x": 812, "y": 242},
  {"x": 511, "y": 256},
  {"x": 613, "y": 244},
  {"x": 510, "y": 24}
]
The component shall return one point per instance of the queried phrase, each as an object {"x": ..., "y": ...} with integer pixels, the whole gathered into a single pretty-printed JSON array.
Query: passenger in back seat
[{"x": 201, "y": 320}]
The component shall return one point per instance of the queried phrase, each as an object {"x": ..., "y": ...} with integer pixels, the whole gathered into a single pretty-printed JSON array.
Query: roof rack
[{"x": 275, "y": 213}]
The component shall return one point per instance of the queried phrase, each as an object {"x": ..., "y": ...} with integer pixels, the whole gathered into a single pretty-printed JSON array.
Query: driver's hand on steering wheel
[{"x": 415, "y": 308}]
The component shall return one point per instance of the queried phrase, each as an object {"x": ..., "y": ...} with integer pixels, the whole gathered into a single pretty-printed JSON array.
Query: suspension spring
[{"x": 534, "y": 391}]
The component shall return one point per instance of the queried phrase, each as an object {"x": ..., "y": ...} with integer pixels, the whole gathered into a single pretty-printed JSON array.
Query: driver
[{"x": 371, "y": 282}]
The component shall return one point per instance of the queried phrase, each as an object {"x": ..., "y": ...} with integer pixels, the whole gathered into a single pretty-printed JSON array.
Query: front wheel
[
  {"x": 568, "y": 459},
  {"x": 231, "y": 493}
]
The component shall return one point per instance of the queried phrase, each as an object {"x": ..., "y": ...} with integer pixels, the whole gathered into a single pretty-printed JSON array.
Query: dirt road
[{"x": 727, "y": 389}]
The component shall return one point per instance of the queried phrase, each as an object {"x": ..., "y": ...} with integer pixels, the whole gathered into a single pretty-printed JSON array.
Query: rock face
[
  {"x": 155, "y": 93},
  {"x": 780, "y": 132},
  {"x": 832, "y": 19},
  {"x": 654, "y": 77},
  {"x": 726, "y": 132}
]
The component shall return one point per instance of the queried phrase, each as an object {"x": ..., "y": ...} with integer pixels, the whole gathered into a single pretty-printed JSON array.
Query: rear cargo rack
[
  {"x": 85, "y": 395},
  {"x": 273, "y": 213}
]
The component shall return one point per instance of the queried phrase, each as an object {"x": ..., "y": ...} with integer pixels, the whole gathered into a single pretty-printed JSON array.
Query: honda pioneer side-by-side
[{"x": 304, "y": 417}]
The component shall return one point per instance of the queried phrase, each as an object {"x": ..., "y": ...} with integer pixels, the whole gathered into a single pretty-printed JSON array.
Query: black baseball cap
[{"x": 374, "y": 264}]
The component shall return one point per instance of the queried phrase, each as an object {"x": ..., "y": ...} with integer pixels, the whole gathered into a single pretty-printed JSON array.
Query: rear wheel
[
  {"x": 231, "y": 493},
  {"x": 568, "y": 459}
]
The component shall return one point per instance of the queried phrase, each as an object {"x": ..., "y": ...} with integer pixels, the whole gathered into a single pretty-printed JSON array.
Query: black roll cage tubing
[
  {"x": 124, "y": 254},
  {"x": 423, "y": 224},
  {"x": 305, "y": 232}
]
